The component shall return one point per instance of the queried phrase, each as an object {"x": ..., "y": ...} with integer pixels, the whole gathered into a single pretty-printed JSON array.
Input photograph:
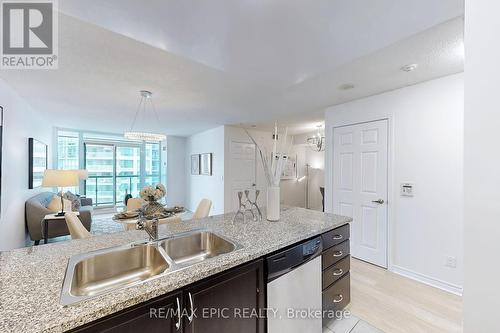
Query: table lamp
[{"x": 61, "y": 178}]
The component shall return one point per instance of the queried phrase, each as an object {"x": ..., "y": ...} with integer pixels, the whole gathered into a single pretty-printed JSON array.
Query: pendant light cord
[
  {"x": 143, "y": 102},
  {"x": 154, "y": 110},
  {"x": 136, "y": 114}
]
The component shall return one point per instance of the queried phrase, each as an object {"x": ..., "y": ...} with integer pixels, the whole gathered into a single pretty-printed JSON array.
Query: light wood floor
[{"x": 393, "y": 303}]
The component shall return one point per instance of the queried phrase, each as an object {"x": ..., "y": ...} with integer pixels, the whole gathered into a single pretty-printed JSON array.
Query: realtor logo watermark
[{"x": 29, "y": 34}]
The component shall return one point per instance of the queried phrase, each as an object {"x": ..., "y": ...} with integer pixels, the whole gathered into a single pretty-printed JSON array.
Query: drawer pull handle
[
  {"x": 338, "y": 299},
  {"x": 338, "y": 253},
  {"x": 337, "y": 237},
  {"x": 338, "y": 272},
  {"x": 178, "y": 323},
  {"x": 191, "y": 316}
]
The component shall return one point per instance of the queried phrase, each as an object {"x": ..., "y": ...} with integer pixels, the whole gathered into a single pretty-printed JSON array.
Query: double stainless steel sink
[{"x": 102, "y": 271}]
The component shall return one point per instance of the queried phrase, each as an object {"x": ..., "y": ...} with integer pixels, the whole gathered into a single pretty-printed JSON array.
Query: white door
[
  {"x": 360, "y": 187},
  {"x": 241, "y": 174}
]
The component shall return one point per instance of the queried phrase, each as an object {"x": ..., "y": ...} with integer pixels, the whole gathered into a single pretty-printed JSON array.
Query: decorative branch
[{"x": 273, "y": 168}]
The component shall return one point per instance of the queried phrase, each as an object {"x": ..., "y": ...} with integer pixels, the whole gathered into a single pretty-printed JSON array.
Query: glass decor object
[{"x": 152, "y": 195}]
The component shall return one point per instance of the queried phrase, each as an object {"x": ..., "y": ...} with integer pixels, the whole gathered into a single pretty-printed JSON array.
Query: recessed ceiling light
[
  {"x": 346, "y": 86},
  {"x": 409, "y": 68}
]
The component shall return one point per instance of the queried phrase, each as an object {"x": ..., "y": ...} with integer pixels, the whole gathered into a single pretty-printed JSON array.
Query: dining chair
[
  {"x": 135, "y": 204},
  {"x": 203, "y": 209},
  {"x": 172, "y": 219},
  {"x": 75, "y": 226}
]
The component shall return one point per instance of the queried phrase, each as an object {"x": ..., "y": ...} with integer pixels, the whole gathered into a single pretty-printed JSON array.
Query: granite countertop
[{"x": 31, "y": 278}]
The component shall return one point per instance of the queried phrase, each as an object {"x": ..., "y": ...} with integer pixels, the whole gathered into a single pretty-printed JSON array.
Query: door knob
[{"x": 379, "y": 201}]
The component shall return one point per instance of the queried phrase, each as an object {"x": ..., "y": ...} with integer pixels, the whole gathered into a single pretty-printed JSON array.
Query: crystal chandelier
[
  {"x": 133, "y": 134},
  {"x": 317, "y": 142}
]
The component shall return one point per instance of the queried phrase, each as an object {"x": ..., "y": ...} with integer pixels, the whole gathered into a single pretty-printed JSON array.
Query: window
[
  {"x": 152, "y": 170},
  {"x": 68, "y": 153},
  {"x": 99, "y": 161},
  {"x": 128, "y": 172},
  {"x": 116, "y": 166},
  {"x": 68, "y": 145}
]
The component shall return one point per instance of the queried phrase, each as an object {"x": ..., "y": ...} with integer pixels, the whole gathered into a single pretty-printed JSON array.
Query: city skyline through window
[{"x": 115, "y": 168}]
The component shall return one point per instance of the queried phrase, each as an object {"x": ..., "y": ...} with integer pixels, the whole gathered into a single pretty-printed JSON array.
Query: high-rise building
[{"x": 114, "y": 167}]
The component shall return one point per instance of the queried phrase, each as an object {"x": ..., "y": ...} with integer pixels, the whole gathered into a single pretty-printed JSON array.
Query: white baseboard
[{"x": 433, "y": 282}]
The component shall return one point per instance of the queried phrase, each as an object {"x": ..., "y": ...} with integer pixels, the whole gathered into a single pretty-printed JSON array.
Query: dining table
[{"x": 130, "y": 223}]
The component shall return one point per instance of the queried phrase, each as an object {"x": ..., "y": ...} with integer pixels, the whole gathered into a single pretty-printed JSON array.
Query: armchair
[{"x": 36, "y": 209}]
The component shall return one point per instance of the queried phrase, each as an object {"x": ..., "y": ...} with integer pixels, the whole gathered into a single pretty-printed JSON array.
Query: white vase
[{"x": 273, "y": 203}]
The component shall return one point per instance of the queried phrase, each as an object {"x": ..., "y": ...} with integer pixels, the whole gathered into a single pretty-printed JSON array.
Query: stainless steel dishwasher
[{"x": 294, "y": 289}]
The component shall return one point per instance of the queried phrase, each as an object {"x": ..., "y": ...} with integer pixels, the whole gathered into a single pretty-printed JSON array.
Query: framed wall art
[
  {"x": 206, "y": 164},
  {"x": 195, "y": 164},
  {"x": 289, "y": 170}
]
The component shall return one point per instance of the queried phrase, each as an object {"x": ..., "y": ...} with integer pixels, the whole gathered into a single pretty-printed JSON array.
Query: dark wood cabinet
[
  {"x": 334, "y": 254},
  {"x": 228, "y": 303},
  {"x": 158, "y": 315},
  {"x": 336, "y": 271},
  {"x": 221, "y": 304},
  {"x": 338, "y": 296},
  {"x": 336, "y": 236},
  {"x": 336, "y": 279}
]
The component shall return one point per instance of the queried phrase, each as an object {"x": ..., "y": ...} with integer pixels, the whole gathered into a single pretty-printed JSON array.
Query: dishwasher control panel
[
  {"x": 291, "y": 258},
  {"x": 311, "y": 247}
]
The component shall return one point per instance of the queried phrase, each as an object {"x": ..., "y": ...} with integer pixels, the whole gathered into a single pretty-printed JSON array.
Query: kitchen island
[{"x": 31, "y": 278}]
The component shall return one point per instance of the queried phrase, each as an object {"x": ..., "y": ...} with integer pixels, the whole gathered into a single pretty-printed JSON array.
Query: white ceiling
[{"x": 228, "y": 62}]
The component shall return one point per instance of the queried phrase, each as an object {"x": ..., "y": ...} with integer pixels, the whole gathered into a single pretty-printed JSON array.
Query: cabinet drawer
[
  {"x": 334, "y": 254},
  {"x": 335, "y": 272},
  {"x": 338, "y": 295},
  {"x": 335, "y": 236}
]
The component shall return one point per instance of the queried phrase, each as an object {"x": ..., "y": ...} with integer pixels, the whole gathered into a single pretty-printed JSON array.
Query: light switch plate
[{"x": 407, "y": 189}]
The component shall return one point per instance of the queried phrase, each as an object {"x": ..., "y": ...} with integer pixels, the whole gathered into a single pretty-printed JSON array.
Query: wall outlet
[{"x": 451, "y": 262}]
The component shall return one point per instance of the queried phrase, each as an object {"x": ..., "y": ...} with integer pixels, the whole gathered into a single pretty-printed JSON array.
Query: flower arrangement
[{"x": 153, "y": 193}]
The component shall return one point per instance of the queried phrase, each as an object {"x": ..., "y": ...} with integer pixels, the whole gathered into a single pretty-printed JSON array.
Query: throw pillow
[
  {"x": 55, "y": 205},
  {"x": 75, "y": 201}
]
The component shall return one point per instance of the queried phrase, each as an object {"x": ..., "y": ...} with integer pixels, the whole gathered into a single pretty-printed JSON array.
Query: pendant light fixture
[
  {"x": 133, "y": 133},
  {"x": 317, "y": 142}
]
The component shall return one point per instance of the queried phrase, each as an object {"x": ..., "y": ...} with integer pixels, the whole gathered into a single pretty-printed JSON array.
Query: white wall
[
  {"x": 176, "y": 171},
  {"x": 20, "y": 123},
  {"x": 426, "y": 131},
  {"x": 482, "y": 165},
  {"x": 211, "y": 187}
]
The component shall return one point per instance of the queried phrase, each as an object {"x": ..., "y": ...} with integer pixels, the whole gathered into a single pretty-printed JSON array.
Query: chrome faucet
[{"x": 149, "y": 226}]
